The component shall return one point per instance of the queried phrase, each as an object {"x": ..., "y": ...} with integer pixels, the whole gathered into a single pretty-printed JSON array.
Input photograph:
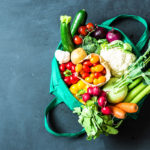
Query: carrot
[
  {"x": 117, "y": 112},
  {"x": 128, "y": 107}
]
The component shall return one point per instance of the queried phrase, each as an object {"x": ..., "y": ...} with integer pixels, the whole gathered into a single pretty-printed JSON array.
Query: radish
[
  {"x": 102, "y": 101},
  {"x": 86, "y": 97},
  {"x": 106, "y": 110},
  {"x": 103, "y": 93},
  {"x": 90, "y": 90},
  {"x": 96, "y": 91}
]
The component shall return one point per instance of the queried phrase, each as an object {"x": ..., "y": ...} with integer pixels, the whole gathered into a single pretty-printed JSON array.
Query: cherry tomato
[
  {"x": 86, "y": 68},
  {"x": 69, "y": 65},
  {"x": 73, "y": 68},
  {"x": 81, "y": 85},
  {"x": 95, "y": 81},
  {"x": 83, "y": 30},
  {"x": 101, "y": 79},
  {"x": 62, "y": 75},
  {"x": 78, "y": 67},
  {"x": 99, "y": 68},
  {"x": 90, "y": 27},
  {"x": 92, "y": 75},
  {"x": 84, "y": 75},
  {"x": 97, "y": 74},
  {"x": 96, "y": 64},
  {"x": 88, "y": 63},
  {"x": 104, "y": 72},
  {"x": 73, "y": 79},
  {"x": 92, "y": 69},
  {"x": 94, "y": 59},
  {"x": 88, "y": 79},
  {"x": 82, "y": 72},
  {"x": 67, "y": 80},
  {"x": 77, "y": 40},
  {"x": 74, "y": 89},
  {"x": 62, "y": 67}
]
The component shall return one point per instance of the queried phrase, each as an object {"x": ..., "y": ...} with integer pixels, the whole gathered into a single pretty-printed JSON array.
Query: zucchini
[
  {"x": 79, "y": 20},
  {"x": 66, "y": 37}
]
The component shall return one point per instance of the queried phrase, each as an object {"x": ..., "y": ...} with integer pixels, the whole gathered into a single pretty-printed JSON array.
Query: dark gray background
[{"x": 29, "y": 34}]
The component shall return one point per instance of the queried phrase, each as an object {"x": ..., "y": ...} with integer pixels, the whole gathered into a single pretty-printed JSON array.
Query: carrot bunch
[{"x": 119, "y": 110}]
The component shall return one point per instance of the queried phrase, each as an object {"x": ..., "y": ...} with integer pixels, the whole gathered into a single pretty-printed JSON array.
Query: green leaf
[
  {"x": 77, "y": 110},
  {"x": 111, "y": 130},
  {"x": 118, "y": 124},
  {"x": 94, "y": 98},
  {"x": 80, "y": 92}
]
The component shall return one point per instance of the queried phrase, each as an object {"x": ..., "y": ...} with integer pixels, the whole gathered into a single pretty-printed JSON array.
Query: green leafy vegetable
[
  {"x": 94, "y": 122},
  {"x": 90, "y": 45}
]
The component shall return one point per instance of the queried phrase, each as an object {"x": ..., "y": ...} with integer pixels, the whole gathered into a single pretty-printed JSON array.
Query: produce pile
[{"x": 102, "y": 72}]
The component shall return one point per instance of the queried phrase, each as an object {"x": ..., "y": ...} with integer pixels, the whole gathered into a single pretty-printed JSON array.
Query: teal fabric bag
[{"x": 60, "y": 89}]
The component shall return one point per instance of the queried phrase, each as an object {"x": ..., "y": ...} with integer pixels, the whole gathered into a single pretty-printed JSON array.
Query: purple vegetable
[
  {"x": 90, "y": 90},
  {"x": 96, "y": 91},
  {"x": 113, "y": 35},
  {"x": 86, "y": 97},
  {"x": 99, "y": 33}
]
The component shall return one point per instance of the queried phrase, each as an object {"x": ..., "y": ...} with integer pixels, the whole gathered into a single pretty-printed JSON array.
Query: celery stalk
[
  {"x": 135, "y": 83},
  {"x": 143, "y": 93},
  {"x": 134, "y": 92}
]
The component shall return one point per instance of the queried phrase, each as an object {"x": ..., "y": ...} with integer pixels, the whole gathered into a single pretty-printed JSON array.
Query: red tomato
[
  {"x": 77, "y": 40},
  {"x": 96, "y": 64},
  {"x": 88, "y": 63},
  {"x": 67, "y": 80},
  {"x": 104, "y": 71},
  {"x": 73, "y": 79},
  {"x": 69, "y": 65},
  {"x": 62, "y": 75},
  {"x": 74, "y": 74},
  {"x": 73, "y": 68},
  {"x": 97, "y": 74},
  {"x": 90, "y": 27},
  {"x": 83, "y": 30},
  {"x": 62, "y": 67},
  {"x": 86, "y": 68},
  {"x": 84, "y": 75}
]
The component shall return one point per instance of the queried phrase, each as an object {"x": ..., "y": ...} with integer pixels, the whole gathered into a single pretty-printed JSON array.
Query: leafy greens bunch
[{"x": 94, "y": 122}]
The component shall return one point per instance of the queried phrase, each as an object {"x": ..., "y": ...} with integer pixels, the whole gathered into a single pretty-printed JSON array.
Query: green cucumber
[
  {"x": 79, "y": 20},
  {"x": 66, "y": 37}
]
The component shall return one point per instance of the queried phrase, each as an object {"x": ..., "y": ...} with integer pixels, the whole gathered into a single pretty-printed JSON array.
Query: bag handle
[
  {"x": 143, "y": 39},
  {"x": 52, "y": 105}
]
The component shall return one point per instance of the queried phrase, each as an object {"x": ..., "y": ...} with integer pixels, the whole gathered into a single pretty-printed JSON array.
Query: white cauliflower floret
[
  {"x": 62, "y": 56},
  {"x": 118, "y": 60}
]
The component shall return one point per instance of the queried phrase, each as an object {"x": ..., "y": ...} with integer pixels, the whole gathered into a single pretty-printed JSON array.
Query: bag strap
[
  {"x": 143, "y": 39},
  {"x": 52, "y": 105}
]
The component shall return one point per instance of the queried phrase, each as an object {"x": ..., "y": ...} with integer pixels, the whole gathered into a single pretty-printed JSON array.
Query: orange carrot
[
  {"x": 117, "y": 112},
  {"x": 128, "y": 107}
]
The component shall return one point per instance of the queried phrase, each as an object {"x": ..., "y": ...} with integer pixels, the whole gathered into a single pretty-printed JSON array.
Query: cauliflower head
[{"x": 118, "y": 59}]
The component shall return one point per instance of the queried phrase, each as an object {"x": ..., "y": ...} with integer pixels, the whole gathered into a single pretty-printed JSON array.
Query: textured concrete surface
[{"x": 29, "y": 34}]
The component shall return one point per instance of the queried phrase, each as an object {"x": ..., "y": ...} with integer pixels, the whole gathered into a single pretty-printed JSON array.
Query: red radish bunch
[{"x": 102, "y": 100}]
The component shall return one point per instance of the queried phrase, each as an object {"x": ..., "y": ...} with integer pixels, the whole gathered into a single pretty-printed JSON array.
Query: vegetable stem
[
  {"x": 143, "y": 93},
  {"x": 134, "y": 83},
  {"x": 133, "y": 93}
]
